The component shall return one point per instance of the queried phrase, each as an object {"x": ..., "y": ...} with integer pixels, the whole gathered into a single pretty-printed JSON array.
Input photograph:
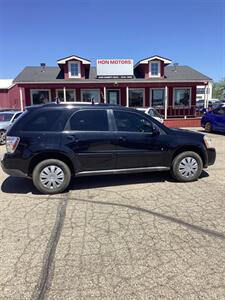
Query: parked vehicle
[
  {"x": 200, "y": 105},
  {"x": 214, "y": 120},
  {"x": 6, "y": 119},
  {"x": 151, "y": 111},
  {"x": 50, "y": 143},
  {"x": 212, "y": 104}
]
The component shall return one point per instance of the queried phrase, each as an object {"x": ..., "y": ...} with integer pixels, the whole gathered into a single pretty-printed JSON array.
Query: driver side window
[
  {"x": 219, "y": 111},
  {"x": 131, "y": 122}
]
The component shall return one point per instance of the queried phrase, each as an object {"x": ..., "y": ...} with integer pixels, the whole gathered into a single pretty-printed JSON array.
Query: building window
[
  {"x": 40, "y": 96},
  {"x": 182, "y": 97},
  {"x": 200, "y": 91},
  {"x": 136, "y": 97},
  {"x": 157, "y": 97},
  {"x": 70, "y": 95},
  {"x": 90, "y": 95},
  {"x": 154, "y": 69},
  {"x": 74, "y": 69}
]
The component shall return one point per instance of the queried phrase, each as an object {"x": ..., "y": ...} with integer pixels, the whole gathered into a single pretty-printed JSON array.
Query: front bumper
[
  {"x": 9, "y": 168},
  {"x": 211, "y": 154}
]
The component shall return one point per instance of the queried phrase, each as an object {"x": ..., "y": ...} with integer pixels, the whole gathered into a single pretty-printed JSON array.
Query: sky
[{"x": 189, "y": 32}]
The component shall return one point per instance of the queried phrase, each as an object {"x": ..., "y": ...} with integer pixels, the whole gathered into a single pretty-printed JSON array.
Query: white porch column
[
  {"x": 64, "y": 94},
  {"x": 205, "y": 98},
  {"x": 166, "y": 102},
  {"x": 21, "y": 100},
  {"x": 127, "y": 96},
  {"x": 104, "y": 94}
]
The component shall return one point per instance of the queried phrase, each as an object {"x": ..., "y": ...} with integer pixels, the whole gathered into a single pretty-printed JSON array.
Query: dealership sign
[{"x": 115, "y": 67}]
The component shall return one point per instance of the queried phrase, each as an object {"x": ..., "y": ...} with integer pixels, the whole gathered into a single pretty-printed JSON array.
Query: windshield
[
  {"x": 154, "y": 113},
  {"x": 5, "y": 117}
]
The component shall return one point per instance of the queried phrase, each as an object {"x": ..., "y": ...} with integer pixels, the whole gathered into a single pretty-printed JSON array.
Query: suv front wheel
[
  {"x": 187, "y": 166},
  {"x": 51, "y": 176}
]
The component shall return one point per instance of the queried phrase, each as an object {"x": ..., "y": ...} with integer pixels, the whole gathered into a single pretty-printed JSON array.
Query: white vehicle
[{"x": 151, "y": 111}]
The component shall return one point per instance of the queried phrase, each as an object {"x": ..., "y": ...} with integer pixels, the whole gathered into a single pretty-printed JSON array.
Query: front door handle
[
  {"x": 122, "y": 139},
  {"x": 72, "y": 138}
]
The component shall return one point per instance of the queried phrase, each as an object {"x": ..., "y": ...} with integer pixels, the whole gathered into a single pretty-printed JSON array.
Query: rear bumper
[
  {"x": 8, "y": 166},
  {"x": 211, "y": 153}
]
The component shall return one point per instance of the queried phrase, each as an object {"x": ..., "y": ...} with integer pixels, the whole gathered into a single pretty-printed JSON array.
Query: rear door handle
[{"x": 72, "y": 138}]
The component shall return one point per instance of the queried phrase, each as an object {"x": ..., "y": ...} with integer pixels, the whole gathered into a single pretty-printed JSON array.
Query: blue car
[{"x": 214, "y": 120}]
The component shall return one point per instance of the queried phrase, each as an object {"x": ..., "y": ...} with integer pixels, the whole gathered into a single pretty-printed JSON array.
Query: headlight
[{"x": 207, "y": 141}]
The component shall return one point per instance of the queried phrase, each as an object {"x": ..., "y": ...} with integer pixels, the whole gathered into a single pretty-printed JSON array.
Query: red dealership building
[{"x": 153, "y": 81}]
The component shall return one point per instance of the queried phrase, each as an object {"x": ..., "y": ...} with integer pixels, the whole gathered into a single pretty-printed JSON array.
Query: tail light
[{"x": 12, "y": 143}]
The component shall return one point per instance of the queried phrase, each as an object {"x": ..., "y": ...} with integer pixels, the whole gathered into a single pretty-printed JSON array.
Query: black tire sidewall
[
  {"x": 175, "y": 166},
  {"x": 4, "y": 132},
  {"x": 209, "y": 127},
  {"x": 40, "y": 166}
]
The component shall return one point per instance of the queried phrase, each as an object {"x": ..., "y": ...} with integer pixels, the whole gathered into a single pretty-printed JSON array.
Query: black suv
[{"x": 49, "y": 143}]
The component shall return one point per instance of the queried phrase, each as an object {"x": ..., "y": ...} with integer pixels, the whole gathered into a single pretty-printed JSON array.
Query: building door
[{"x": 113, "y": 96}]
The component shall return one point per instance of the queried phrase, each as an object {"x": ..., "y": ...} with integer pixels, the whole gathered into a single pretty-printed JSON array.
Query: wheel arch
[
  {"x": 195, "y": 149},
  {"x": 50, "y": 155}
]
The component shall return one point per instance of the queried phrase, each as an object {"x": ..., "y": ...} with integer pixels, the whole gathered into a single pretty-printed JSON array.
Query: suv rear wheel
[
  {"x": 187, "y": 166},
  {"x": 51, "y": 176}
]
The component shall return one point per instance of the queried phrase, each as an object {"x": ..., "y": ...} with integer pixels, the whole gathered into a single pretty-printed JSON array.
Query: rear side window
[
  {"x": 89, "y": 120},
  {"x": 44, "y": 121}
]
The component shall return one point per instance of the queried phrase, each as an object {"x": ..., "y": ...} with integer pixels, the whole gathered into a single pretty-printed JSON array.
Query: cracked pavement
[{"x": 139, "y": 236}]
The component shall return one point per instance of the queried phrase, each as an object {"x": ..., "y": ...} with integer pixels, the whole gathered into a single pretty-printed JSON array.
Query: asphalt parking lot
[{"x": 138, "y": 236}]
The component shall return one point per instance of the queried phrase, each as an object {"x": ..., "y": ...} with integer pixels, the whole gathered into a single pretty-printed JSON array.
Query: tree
[{"x": 219, "y": 89}]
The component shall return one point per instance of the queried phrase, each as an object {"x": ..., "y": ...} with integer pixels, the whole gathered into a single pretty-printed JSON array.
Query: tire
[
  {"x": 2, "y": 137},
  {"x": 187, "y": 166},
  {"x": 208, "y": 127},
  {"x": 51, "y": 176}
]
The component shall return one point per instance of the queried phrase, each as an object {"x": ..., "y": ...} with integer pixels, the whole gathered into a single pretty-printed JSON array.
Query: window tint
[
  {"x": 126, "y": 121},
  {"x": 45, "y": 121},
  {"x": 89, "y": 120},
  {"x": 5, "y": 117},
  {"x": 220, "y": 111}
]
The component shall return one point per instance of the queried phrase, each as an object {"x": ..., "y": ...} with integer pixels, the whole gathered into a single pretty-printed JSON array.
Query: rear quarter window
[{"x": 50, "y": 120}]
